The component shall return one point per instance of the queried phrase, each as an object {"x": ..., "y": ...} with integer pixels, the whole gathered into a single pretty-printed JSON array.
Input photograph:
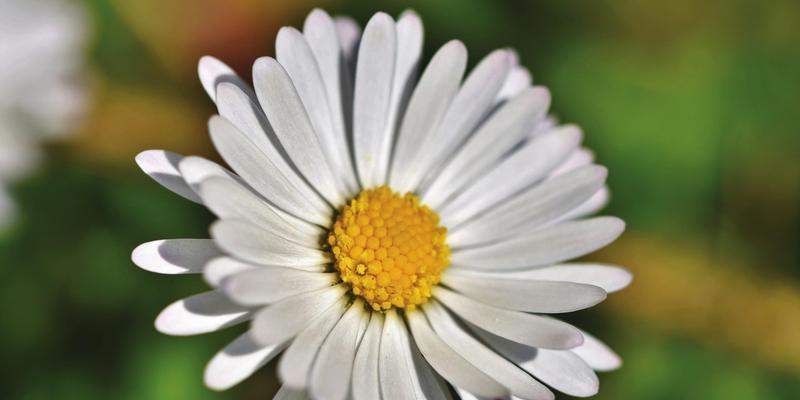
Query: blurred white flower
[
  {"x": 383, "y": 232},
  {"x": 41, "y": 55}
]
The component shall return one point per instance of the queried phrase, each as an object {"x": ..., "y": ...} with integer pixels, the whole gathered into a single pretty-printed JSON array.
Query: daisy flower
[
  {"x": 388, "y": 235},
  {"x": 40, "y": 57}
]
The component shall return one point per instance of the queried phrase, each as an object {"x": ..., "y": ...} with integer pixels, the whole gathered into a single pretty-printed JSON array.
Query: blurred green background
[{"x": 693, "y": 106}]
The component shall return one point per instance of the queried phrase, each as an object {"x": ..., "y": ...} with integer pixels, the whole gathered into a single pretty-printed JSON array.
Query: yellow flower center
[{"x": 389, "y": 248}]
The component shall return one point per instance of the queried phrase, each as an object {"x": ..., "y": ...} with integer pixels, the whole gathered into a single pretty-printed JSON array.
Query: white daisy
[
  {"x": 40, "y": 58},
  {"x": 383, "y": 232}
]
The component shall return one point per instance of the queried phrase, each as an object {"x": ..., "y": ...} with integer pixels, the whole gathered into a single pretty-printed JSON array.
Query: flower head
[{"x": 381, "y": 231}]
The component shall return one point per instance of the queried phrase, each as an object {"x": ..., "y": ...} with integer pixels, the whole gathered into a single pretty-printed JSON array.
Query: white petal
[
  {"x": 431, "y": 385},
  {"x": 366, "y": 383},
  {"x": 263, "y": 175},
  {"x": 162, "y": 166},
  {"x": 469, "y": 107},
  {"x": 230, "y": 200},
  {"x": 448, "y": 363},
  {"x": 266, "y": 285},
  {"x": 287, "y": 393},
  {"x": 553, "y": 244},
  {"x": 372, "y": 99},
  {"x": 526, "y": 294},
  {"x": 609, "y": 277},
  {"x": 284, "y": 108},
  {"x": 561, "y": 370},
  {"x": 427, "y": 106},
  {"x": 589, "y": 207},
  {"x": 531, "y": 209},
  {"x": 409, "y": 50},
  {"x": 579, "y": 158},
  {"x": 295, "y": 366},
  {"x": 250, "y": 243},
  {"x": 201, "y": 313},
  {"x": 175, "y": 256},
  {"x": 237, "y": 361},
  {"x": 295, "y": 54},
  {"x": 246, "y": 116},
  {"x": 506, "y": 373},
  {"x": 349, "y": 34},
  {"x": 286, "y": 318},
  {"x": 196, "y": 169},
  {"x": 333, "y": 368},
  {"x": 213, "y": 72},
  {"x": 599, "y": 356},
  {"x": 399, "y": 379},
  {"x": 529, "y": 329},
  {"x": 517, "y": 81},
  {"x": 526, "y": 166},
  {"x": 504, "y": 129},
  {"x": 216, "y": 270}
]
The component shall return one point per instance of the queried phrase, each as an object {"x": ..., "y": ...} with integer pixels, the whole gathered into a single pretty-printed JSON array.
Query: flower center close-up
[{"x": 389, "y": 248}]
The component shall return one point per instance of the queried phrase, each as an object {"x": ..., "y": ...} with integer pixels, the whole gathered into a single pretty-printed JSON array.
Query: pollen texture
[{"x": 389, "y": 248}]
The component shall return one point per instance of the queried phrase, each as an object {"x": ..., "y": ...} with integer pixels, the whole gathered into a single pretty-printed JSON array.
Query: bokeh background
[{"x": 693, "y": 106}]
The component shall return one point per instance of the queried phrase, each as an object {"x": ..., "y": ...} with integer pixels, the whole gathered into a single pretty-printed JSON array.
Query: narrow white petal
[
  {"x": 287, "y": 393},
  {"x": 427, "y": 106},
  {"x": 398, "y": 376},
  {"x": 286, "y": 318},
  {"x": 562, "y": 370},
  {"x": 349, "y": 35},
  {"x": 201, "y": 313},
  {"x": 251, "y": 243},
  {"x": 320, "y": 31},
  {"x": 531, "y": 209},
  {"x": 506, "y": 373},
  {"x": 448, "y": 363},
  {"x": 263, "y": 175},
  {"x": 295, "y": 366},
  {"x": 296, "y": 55},
  {"x": 409, "y": 50},
  {"x": 230, "y": 200},
  {"x": 529, "y": 329},
  {"x": 553, "y": 244},
  {"x": 500, "y": 133},
  {"x": 196, "y": 169},
  {"x": 333, "y": 368},
  {"x": 609, "y": 277},
  {"x": 213, "y": 72},
  {"x": 373, "y": 98},
  {"x": 216, "y": 270},
  {"x": 518, "y": 80},
  {"x": 284, "y": 108},
  {"x": 589, "y": 207},
  {"x": 237, "y": 361},
  {"x": 528, "y": 165},
  {"x": 246, "y": 116},
  {"x": 162, "y": 166},
  {"x": 266, "y": 285},
  {"x": 578, "y": 158},
  {"x": 526, "y": 294},
  {"x": 175, "y": 256},
  {"x": 599, "y": 356},
  {"x": 469, "y": 107},
  {"x": 366, "y": 383},
  {"x": 431, "y": 385}
]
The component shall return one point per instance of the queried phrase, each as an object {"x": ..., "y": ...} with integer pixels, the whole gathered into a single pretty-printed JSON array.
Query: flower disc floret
[{"x": 389, "y": 248}]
